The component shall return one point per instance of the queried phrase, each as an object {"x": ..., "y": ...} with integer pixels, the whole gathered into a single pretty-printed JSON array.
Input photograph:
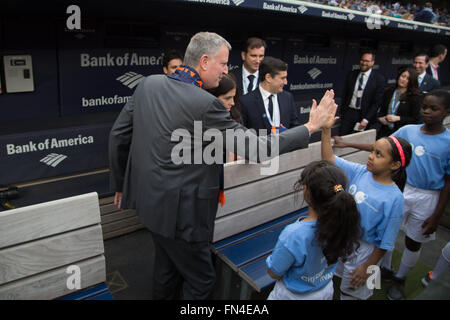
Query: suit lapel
[
  {"x": 282, "y": 105},
  {"x": 370, "y": 81},
  {"x": 261, "y": 110}
]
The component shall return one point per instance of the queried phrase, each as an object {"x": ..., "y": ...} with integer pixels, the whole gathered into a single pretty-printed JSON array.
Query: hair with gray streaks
[{"x": 203, "y": 43}]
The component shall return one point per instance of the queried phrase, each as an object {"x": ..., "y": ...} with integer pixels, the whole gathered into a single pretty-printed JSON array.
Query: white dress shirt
[
  {"x": 246, "y": 82},
  {"x": 420, "y": 78},
  {"x": 276, "y": 108},
  {"x": 355, "y": 89}
]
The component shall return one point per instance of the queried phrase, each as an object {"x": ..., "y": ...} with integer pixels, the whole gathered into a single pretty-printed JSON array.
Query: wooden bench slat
[
  {"x": 122, "y": 231},
  {"x": 241, "y": 221},
  {"x": 41, "y": 220},
  {"x": 236, "y": 173},
  {"x": 117, "y": 225},
  {"x": 245, "y": 196},
  {"x": 53, "y": 284},
  {"x": 119, "y": 215},
  {"x": 41, "y": 255},
  {"x": 231, "y": 224}
]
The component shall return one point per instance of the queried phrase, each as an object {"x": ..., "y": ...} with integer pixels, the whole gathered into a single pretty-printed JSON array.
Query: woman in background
[
  {"x": 227, "y": 93},
  {"x": 401, "y": 103}
]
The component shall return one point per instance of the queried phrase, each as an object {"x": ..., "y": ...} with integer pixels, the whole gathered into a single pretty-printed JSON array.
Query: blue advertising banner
[
  {"x": 42, "y": 154},
  {"x": 94, "y": 80},
  {"x": 313, "y": 70}
]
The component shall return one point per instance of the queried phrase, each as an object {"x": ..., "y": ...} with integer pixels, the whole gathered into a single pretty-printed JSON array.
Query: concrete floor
[{"x": 129, "y": 262}]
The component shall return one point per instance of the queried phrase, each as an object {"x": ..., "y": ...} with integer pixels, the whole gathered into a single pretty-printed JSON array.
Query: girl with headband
[
  {"x": 307, "y": 251},
  {"x": 427, "y": 188},
  {"x": 377, "y": 189}
]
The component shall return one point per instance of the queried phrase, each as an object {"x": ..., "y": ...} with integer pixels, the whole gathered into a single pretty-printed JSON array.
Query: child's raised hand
[{"x": 339, "y": 142}]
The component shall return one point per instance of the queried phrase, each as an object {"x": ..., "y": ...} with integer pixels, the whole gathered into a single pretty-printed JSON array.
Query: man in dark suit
[
  {"x": 437, "y": 55},
  {"x": 247, "y": 76},
  {"x": 361, "y": 97},
  {"x": 269, "y": 106},
  {"x": 177, "y": 201},
  {"x": 425, "y": 81}
]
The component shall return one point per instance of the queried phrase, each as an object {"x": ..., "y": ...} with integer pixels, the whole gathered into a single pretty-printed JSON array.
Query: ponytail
[
  {"x": 338, "y": 222},
  {"x": 339, "y": 227},
  {"x": 401, "y": 151}
]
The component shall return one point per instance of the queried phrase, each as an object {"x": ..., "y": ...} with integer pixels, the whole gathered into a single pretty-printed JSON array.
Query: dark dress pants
[{"x": 182, "y": 266}]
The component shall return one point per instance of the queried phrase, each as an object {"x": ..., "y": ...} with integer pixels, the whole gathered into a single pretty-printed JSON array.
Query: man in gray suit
[{"x": 178, "y": 202}]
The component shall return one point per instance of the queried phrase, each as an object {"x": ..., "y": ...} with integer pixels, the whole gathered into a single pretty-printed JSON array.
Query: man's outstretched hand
[{"x": 324, "y": 114}]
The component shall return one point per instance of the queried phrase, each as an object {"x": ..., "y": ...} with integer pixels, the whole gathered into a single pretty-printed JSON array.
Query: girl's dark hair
[
  {"x": 399, "y": 176},
  {"x": 338, "y": 222},
  {"x": 227, "y": 84}
]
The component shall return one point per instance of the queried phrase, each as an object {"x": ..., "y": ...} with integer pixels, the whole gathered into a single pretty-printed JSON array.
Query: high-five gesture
[{"x": 323, "y": 113}]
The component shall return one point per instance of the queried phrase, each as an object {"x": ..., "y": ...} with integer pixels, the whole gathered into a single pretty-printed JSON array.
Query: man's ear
[
  {"x": 243, "y": 53},
  {"x": 204, "y": 60},
  {"x": 165, "y": 70}
]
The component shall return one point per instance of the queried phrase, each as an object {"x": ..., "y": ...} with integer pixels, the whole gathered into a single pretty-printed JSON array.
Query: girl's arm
[
  {"x": 360, "y": 274},
  {"x": 340, "y": 143},
  {"x": 326, "y": 148}
]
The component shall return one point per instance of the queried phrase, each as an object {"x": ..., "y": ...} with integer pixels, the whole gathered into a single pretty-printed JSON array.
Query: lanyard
[
  {"x": 268, "y": 115},
  {"x": 394, "y": 108}
]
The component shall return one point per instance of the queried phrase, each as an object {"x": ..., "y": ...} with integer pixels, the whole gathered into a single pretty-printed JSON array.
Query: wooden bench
[
  {"x": 39, "y": 243},
  {"x": 257, "y": 209}
]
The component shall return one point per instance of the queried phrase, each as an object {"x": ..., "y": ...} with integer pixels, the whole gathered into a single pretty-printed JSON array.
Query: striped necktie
[{"x": 250, "y": 83}]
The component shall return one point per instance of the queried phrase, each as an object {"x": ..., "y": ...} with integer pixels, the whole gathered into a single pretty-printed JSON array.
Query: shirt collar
[
  {"x": 246, "y": 73},
  {"x": 367, "y": 73},
  {"x": 265, "y": 94}
]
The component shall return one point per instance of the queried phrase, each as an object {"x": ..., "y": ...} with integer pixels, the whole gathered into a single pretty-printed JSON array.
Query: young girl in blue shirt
[
  {"x": 305, "y": 256},
  {"x": 428, "y": 185},
  {"x": 377, "y": 189}
]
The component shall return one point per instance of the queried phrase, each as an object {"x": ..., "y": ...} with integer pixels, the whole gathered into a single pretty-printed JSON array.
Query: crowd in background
[{"x": 408, "y": 11}]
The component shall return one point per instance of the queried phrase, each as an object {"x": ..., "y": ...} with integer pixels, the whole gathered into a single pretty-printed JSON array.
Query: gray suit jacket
[{"x": 174, "y": 200}]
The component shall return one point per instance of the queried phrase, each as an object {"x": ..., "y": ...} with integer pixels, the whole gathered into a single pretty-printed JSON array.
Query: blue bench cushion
[
  {"x": 97, "y": 292},
  {"x": 247, "y": 251}
]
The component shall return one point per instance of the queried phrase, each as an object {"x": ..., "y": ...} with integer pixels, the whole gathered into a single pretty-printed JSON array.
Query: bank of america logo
[
  {"x": 130, "y": 79},
  {"x": 53, "y": 159},
  {"x": 238, "y": 2},
  {"x": 302, "y": 9},
  {"x": 314, "y": 73}
]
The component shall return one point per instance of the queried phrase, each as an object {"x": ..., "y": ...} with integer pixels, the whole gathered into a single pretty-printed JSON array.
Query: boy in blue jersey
[{"x": 428, "y": 184}]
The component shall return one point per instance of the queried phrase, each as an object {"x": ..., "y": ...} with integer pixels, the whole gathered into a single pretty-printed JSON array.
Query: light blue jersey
[
  {"x": 430, "y": 160},
  {"x": 381, "y": 206},
  {"x": 299, "y": 260}
]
